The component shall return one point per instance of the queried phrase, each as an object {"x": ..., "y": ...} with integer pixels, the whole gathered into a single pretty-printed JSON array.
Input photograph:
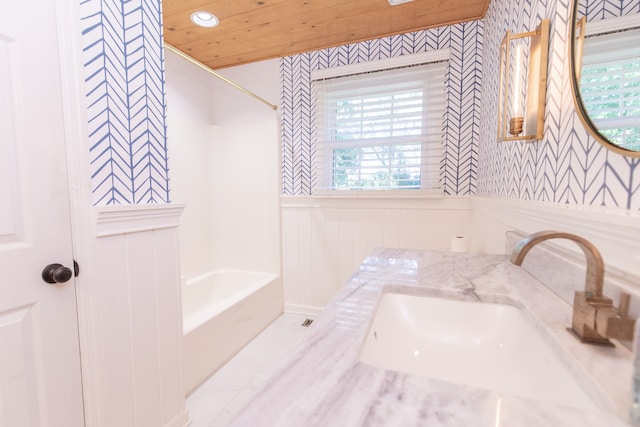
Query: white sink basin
[{"x": 491, "y": 346}]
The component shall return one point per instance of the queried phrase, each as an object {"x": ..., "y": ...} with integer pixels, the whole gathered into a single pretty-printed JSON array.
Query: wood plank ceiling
[{"x": 255, "y": 30}]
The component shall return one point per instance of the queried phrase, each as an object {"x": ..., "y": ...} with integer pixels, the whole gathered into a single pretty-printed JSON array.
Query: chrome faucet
[{"x": 595, "y": 319}]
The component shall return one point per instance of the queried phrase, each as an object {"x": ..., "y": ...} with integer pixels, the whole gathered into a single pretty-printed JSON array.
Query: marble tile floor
[{"x": 217, "y": 400}]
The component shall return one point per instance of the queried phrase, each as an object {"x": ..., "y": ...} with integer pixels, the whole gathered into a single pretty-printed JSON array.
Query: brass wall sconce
[{"x": 523, "y": 84}]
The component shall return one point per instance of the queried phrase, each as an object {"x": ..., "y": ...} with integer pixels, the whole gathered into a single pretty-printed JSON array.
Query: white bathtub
[{"x": 222, "y": 311}]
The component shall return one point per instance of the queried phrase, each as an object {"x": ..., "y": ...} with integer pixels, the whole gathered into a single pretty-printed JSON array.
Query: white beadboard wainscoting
[
  {"x": 324, "y": 240},
  {"x": 130, "y": 319},
  {"x": 614, "y": 231}
]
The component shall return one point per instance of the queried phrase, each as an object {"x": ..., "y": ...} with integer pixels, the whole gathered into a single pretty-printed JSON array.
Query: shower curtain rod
[{"x": 224, "y": 79}]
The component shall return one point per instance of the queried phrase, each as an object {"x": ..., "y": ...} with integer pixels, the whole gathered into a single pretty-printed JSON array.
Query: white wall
[
  {"x": 190, "y": 145},
  {"x": 225, "y": 166},
  {"x": 325, "y": 240},
  {"x": 189, "y": 132},
  {"x": 131, "y": 314},
  {"x": 234, "y": 107},
  {"x": 244, "y": 179},
  {"x": 614, "y": 231}
]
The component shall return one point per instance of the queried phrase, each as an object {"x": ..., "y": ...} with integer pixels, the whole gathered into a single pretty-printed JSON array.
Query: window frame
[{"x": 325, "y": 168}]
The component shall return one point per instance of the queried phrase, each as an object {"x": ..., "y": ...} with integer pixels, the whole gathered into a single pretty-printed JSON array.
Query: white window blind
[
  {"x": 610, "y": 86},
  {"x": 380, "y": 130}
]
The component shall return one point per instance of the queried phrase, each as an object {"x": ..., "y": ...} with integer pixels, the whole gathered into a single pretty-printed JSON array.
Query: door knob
[{"x": 56, "y": 273}]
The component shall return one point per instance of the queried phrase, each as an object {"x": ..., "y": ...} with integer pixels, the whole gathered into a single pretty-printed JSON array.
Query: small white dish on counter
[{"x": 495, "y": 346}]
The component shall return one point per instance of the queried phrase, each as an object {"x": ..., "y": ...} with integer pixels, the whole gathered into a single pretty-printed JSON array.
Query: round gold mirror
[{"x": 605, "y": 71}]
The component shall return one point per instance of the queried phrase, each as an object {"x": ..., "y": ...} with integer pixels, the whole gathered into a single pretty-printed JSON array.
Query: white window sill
[
  {"x": 379, "y": 199},
  {"x": 378, "y": 194}
]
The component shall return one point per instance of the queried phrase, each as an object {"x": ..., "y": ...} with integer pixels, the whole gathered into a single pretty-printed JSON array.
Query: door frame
[
  {"x": 87, "y": 233},
  {"x": 82, "y": 213}
]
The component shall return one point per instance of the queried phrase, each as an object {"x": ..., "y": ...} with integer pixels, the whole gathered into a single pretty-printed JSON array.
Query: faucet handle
[
  {"x": 614, "y": 322},
  {"x": 623, "y": 307}
]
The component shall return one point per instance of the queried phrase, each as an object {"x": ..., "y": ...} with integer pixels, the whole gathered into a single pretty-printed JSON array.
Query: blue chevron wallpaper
[
  {"x": 601, "y": 9},
  {"x": 567, "y": 166},
  {"x": 124, "y": 77},
  {"x": 125, "y": 96},
  {"x": 462, "y": 121}
]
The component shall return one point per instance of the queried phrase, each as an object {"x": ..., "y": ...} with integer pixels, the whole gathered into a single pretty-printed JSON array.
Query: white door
[{"x": 40, "y": 382}]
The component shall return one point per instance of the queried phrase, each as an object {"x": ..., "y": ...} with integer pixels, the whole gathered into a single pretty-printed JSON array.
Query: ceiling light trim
[
  {"x": 204, "y": 19},
  {"x": 397, "y": 2}
]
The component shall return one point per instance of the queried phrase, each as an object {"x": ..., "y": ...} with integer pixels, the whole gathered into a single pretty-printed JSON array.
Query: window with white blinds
[
  {"x": 610, "y": 86},
  {"x": 380, "y": 130}
]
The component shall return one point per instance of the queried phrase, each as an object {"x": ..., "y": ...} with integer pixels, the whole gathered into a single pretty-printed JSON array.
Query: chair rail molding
[{"x": 122, "y": 219}]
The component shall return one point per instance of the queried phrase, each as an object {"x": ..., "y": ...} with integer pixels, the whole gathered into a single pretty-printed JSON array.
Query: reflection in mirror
[{"x": 606, "y": 71}]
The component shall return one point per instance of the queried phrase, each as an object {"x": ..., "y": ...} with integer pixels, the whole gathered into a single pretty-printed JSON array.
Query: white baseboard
[
  {"x": 182, "y": 419},
  {"x": 307, "y": 310}
]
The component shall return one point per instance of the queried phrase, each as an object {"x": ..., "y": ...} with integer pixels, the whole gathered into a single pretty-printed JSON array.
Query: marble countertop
[{"x": 322, "y": 382}]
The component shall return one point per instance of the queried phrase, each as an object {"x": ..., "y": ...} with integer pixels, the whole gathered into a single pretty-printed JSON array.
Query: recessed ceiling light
[
  {"x": 204, "y": 19},
  {"x": 396, "y": 2}
]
